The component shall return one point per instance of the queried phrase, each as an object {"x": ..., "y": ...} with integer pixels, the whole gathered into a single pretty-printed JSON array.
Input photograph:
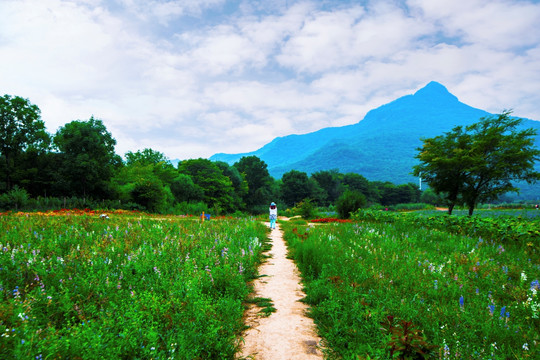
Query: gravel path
[{"x": 287, "y": 333}]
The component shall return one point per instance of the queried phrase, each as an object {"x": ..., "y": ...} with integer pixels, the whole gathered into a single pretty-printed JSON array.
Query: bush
[
  {"x": 349, "y": 202},
  {"x": 15, "y": 199},
  {"x": 149, "y": 194},
  {"x": 306, "y": 209}
]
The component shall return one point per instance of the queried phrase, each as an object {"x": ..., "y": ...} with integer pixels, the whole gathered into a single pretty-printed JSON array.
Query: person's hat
[{"x": 273, "y": 204}]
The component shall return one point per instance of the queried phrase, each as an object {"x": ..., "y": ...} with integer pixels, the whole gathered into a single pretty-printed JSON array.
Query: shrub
[
  {"x": 349, "y": 202},
  {"x": 307, "y": 209}
]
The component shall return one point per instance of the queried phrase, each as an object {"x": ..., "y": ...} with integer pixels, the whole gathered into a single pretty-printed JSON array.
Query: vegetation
[
  {"x": 479, "y": 162},
  {"x": 399, "y": 286},
  {"x": 73, "y": 285}
]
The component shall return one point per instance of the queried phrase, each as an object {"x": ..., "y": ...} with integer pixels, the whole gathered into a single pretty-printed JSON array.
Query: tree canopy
[
  {"x": 88, "y": 156},
  {"x": 21, "y": 129},
  {"x": 479, "y": 162}
]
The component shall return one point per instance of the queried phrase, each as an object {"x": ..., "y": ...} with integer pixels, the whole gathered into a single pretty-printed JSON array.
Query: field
[
  {"x": 386, "y": 285},
  {"x": 409, "y": 286},
  {"x": 75, "y": 286}
]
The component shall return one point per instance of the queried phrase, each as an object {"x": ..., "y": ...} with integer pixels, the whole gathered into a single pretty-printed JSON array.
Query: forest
[{"x": 77, "y": 167}]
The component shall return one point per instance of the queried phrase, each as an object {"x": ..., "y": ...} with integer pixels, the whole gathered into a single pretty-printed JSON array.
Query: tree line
[
  {"x": 79, "y": 163},
  {"x": 78, "y": 167}
]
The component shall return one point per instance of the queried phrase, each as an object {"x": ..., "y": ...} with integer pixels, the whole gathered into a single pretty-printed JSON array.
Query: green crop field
[
  {"x": 411, "y": 287},
  {"x": 75, "y": 286}
]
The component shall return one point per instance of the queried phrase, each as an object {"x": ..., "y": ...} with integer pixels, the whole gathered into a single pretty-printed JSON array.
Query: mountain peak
[{"x": 435, "y": 91}]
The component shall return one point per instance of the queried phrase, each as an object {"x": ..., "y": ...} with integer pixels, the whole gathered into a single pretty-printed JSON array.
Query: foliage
[
  {"x": 406, "y": 341},
  {"x": 505, "y": 229},
  {"x": 349, "y": 202},
  {"x": 259, "y": 182},
  {"x": 21, "y": 129},
  {"x": 217, "y": 188},
  {"x": 469, "y": 297},
  {"x": 73, "y": 285},
  {"x": 16, "y": 198},
  {"x": 294, "y": 187},
  {"x": 479, "y": 162},
  {"x": 307, "y": 209},
  {"x": 146, "y": 157},
  {"x": 150, "y": 194},
  {"x": 88, "y": 157}
]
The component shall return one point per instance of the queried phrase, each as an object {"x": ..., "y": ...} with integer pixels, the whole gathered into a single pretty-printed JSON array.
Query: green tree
[
  {"x": 185, "y": 190},
  {"x": 329, "y": 182},
  {"x": 21, "y": 129},
  {"x": 444, "y": 161},
  {"x": 156, "y": 161},
  {"x": 88, "y": 157},
  {"x": 145, "y": 157},
  {"x": 349, "y": 202},
  {"x": 295, "y": 187},
  {"x": 480, "y": 162},
  {"x": 217, "y": 188},
  {"x": 500, "y": 154},
  {"x": 149, "y": 193},
  {"x": 238, "y": 181},
  {"x": 259, "y": 181}
]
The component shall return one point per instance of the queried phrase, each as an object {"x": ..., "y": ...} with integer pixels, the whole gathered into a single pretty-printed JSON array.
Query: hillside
[{"x": 381, "y": 146}]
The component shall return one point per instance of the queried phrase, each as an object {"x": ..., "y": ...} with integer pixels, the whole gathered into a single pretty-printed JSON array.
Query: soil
[{"x": 287, "y": 333}]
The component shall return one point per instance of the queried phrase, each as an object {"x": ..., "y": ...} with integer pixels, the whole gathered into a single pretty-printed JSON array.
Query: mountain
[{"x": 381, "y": 147}]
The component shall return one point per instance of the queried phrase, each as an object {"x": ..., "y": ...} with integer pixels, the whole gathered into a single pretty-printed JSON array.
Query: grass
[
  {"x": 132, "y": 286},
  {"x": 381, "y": 290}
]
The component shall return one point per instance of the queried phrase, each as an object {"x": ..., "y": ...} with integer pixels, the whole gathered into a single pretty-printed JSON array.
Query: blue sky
[{"x": 192, "y": 78}]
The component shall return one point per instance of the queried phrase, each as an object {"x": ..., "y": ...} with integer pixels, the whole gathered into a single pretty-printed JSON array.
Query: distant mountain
[{"x": 382, "y": 146}]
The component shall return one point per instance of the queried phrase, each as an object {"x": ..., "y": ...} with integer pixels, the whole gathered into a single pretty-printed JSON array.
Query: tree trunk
[
  {"x": 450, "y": 208},
  {"x": 471, "y": 210}
]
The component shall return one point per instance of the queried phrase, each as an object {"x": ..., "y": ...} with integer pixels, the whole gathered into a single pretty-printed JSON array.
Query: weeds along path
[{"x": 287, "y": 333}]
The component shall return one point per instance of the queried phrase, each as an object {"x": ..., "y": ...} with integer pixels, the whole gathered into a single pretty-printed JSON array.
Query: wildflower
[
  {"x": 523, "y": 276},
  {"x": 525, "y": 347},
  {"x": 503, "y": 311},
  {"x": 446, "y": 350},
  {"x": 491, "y": 309},
  {"x": 461, "y": 301},
  {"x": 535, "y": 285},
  {"x": 435, "y": 285}
]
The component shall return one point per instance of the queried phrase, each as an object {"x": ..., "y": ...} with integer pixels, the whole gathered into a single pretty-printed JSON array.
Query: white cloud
[{"x": 191, "y": 78}]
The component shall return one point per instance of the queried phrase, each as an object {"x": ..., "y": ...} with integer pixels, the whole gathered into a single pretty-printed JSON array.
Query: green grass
[
  {"x": 379, "y": 290},
  {"x": 127, "y": 287}
]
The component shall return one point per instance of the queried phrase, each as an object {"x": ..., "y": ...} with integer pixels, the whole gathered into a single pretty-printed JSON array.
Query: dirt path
[{"x": 288, "y": 333}]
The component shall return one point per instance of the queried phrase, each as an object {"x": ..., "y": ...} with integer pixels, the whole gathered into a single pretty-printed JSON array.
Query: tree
[
  {"x": 480, "y": 162},
  {"x": 500, "y": 154},
  {"x": 295, "y": 187},
  {"x": 239, "y": 184},
  {"x": 217, "y": 188},
  {"x": 349, "y": 202},
  {"x": 145, "y": 157},
  {"x": 88, "y": 157},
  {"x": 329, "y": 182},
  {"x": 156, "y": 161},
  {"x": 259, "y": 181},
  {"x": 21, "y": 129},
  {"x": 149, "y": 193},
  {"x": 444, "y": 161}
]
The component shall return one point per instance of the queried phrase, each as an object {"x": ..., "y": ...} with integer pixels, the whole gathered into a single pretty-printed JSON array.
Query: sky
[{"x": 191, "y": 78}]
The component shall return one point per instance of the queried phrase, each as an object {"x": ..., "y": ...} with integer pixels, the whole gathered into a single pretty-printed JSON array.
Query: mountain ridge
[{"x": 381, "y": 146}]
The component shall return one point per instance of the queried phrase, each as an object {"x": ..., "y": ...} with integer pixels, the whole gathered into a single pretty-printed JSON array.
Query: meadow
[
  {"x": 73, "y": 285},
  {"x": 412, "y": 287}
]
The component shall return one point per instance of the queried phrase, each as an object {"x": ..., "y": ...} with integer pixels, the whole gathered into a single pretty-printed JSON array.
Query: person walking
[{"x": 273, "y": 215}]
